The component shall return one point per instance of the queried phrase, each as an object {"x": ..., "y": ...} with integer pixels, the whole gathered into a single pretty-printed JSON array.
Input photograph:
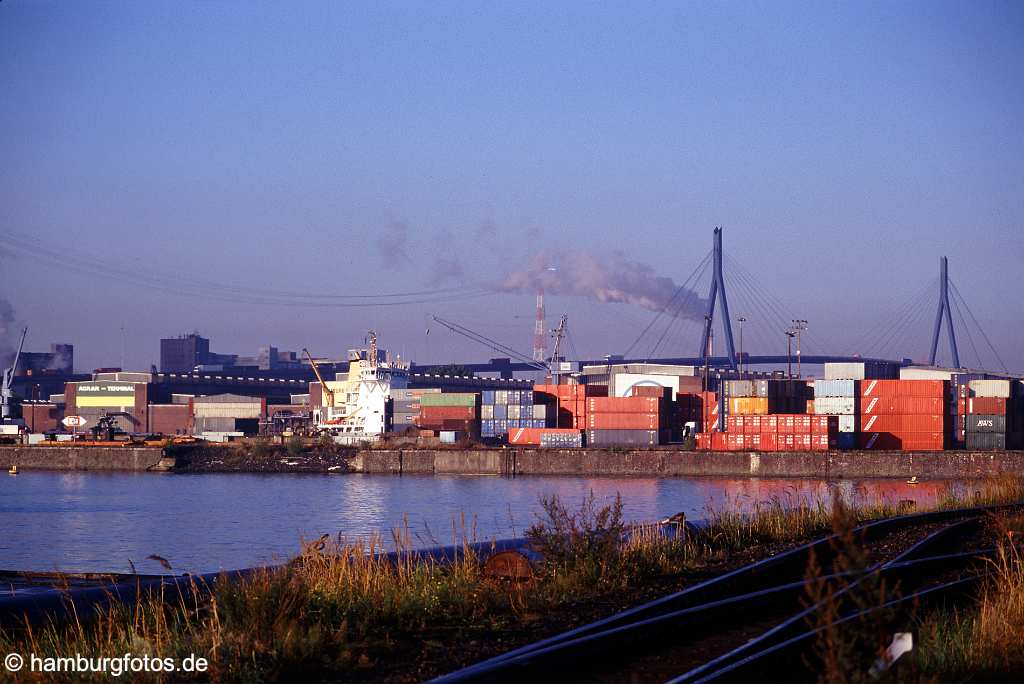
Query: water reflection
[{"x": 202, "y": 523}]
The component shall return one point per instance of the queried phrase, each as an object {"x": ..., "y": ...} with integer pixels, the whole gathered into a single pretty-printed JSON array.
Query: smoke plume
[
  {"x": 6, "y": 332},
  {"x": 392, "y": 243},
  {"x": 605, "y": 278}
]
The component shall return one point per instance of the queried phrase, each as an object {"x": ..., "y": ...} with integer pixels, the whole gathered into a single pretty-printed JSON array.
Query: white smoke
[
  {"x": 6, "y": 332},
  {"x": 608, "y": 277}
]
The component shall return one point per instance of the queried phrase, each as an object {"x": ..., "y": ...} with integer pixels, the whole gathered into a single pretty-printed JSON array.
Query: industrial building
[
  {"x": 60, "y": 359},
  {"x": 191, "y": 352}
]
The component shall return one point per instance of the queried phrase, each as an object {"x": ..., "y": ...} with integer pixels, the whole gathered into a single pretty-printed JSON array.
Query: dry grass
[{"x": 342, "y": 609}]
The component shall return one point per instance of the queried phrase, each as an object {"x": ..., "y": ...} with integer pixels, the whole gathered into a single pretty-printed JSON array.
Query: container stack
[
  {"x": 502, "y": 411},
  {"x": 838, "y": 397},
  {"x": 566, "y": 405},
  {"x": 405, "y": 406},
  {"x": 764, "y": 397},
  {"x": 450, "y": 412},
  {"x": 781, "y": 432},
  {"x": 699, "y": 408},
  {"x": 911, "y": 415},
  {"x": 993, "y": 415},
  {"x": 625, "y": 421}
]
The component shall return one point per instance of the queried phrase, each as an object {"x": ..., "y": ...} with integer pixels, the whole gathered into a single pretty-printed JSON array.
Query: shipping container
[
  {"x": 623, "y": 421},
  {"x": 748, "y": 406},
  {"x": 860, "y": 370},
  {"x": 624, "y": 405},
  {"x": 561, "y": 440},
  {"x": 837, "y": 387},
  {"x": 903, "y": 406},
  {"x": 450, "y": 399},
  {"x": 848, "y": 423},
  {"x": 599, "y": 438},
  {"x": 902, "y": 424},
  {"x": 992, "y": 388},
  {"x": 836, "y": 406},
  {"x": 428, "y": 413},
  {"x": 993, "y": 406},
  {"x": 905, "y": 388},
  {"x": 983, "y": 423}
]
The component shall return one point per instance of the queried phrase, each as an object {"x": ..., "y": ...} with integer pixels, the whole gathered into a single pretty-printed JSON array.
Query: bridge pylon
[
  {"x": 717, "y": 293},
  {"x": 946, "y": 314}
]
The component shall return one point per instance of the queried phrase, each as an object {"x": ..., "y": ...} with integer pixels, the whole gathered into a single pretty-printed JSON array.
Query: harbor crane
[{"x": 6, "y": 394}]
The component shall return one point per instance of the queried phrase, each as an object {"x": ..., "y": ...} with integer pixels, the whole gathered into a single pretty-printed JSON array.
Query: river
[{"x": 98, "y": 522}]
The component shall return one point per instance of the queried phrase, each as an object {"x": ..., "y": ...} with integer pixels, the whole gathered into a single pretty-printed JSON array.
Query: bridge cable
[
  {"x": 911, "y": 313},
  {"x": 956, "y": 292},
  {"x": 757, "y": 307},
  {"x": 700, "y": 267},
  {"x": 883, "y": 330},
  {"x": 766, "y": 303},
  {"x": 967, "y": 330},
  {"x": 677, "y": 320}
]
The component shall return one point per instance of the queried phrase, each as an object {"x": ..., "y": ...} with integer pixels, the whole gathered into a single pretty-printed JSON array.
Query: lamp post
[
  {"x": 789, "y": 353},
  {"x": 799, "y": 325},
  {"x": 742, "y": 320}
]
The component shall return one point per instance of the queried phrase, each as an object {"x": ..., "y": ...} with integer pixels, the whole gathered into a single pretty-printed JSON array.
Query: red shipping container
[
  {"x": 824, "y": 425},
  {"x": 718, "y": 441},
  {"x": 802, "y": 442},
  {"x": 734, "y": 424},
  {"x": 768, "y": 441},
  {"x": 703, "y": 440},
  {"x": 749, "y": 442},
  {"x": 801, "y": 425},
  {"x": 911, "y": 441},
  {"x": 903, "y": 406},
  {"x": 752, "y": 425},
  {"x": 532, "y": 435},
  {"x": 904, "y": 388},
  {"x": 822, "y": 442},
  {"x": 786, "y": 442},
  {"x": 987, "y": 406},
  {"x": 623, "y": 421},
  {"x": 901, "y": 424},
  {"x": 428, "y": 413},
  {"x": 769, "y": 424},
  {"x": 786, "y": 424},
  {"x": 623, "y": 404},
  {"x": 810, "y": 407},
  {"x": 733, "y": 441}
]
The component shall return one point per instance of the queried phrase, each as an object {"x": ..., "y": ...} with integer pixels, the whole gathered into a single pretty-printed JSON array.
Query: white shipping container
[
  {"x": 847, "y": 423},
  {"x": 835, "y": 406},
  {"x": 447, "y": 436},
  {"x": 844, "y": 371},
  {"x": 992, "y": 388},
  {"x": 912, "y": 373},
  {"x": 835, "y": 388}
]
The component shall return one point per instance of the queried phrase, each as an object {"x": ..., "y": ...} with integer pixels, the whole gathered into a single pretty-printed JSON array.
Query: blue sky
[{"x": 333, "y": 148}]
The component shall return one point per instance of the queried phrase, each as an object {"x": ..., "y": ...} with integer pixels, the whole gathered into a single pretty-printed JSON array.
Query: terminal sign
[{"x": 73, "y": 421}]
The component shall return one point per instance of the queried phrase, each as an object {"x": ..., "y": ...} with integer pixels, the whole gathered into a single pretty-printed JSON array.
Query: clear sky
[{"x": 325, "y": 149}]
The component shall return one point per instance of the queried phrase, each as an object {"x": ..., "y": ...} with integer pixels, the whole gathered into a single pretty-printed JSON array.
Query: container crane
[
  {"x": 316, "y": 371},
  {"x": 6, "y": 394}
]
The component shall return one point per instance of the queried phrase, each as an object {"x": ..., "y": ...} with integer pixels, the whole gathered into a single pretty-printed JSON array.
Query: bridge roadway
[{"x": 506, "y": 366}]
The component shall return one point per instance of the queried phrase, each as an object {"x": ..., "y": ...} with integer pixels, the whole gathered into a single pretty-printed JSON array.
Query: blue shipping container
[
  {"x": 487, "y": 397},
  {"x": 500, "y": 411},
  {"x": 527, "y": 397}
]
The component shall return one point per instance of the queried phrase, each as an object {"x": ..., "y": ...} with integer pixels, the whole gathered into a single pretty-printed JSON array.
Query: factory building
[{"x": 60, "y": 359}]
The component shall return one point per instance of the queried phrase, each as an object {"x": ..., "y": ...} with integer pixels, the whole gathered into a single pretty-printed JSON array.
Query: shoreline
[{"x": 516, "y": 462}]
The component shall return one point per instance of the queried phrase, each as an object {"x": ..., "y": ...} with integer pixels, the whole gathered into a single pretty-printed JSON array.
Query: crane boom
[
  {"x": 320, "y": 379},
  {"x": 5, "y": 389},
  {"x": 492, "y": 344}
]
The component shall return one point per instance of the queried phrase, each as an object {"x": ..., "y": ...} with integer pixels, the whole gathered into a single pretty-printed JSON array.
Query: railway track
[{"x": 736, "y": 624}]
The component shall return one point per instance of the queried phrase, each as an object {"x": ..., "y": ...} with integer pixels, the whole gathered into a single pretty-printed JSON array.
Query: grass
[{"x": 342, "y": 610}]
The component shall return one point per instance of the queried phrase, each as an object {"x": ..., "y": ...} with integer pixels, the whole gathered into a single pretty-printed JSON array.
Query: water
[{"x": 77, "y": 522}]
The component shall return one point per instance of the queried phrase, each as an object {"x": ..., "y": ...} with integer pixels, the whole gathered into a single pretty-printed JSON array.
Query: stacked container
[
  {"x": 450, "y": 412},
  {"x": 625, "y": 421},
  {"x": 763, "y": 397},
  {"x": 781, "y": 432},
  {"x": 405, "y": 406},
  {"x": 502, "y": 411},
  {"x": 838, "y": 397},
  {"x": 993, "y": 415},
  {"x": 566, "y": 405},
  {"x": 911, "y": 415}
]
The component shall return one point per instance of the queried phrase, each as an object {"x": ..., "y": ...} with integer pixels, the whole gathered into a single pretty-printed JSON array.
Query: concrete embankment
[
  {"x": 84, "y": 458},
  {"x": 675, "y": 463},
  {"x": 524, "y": 462}
]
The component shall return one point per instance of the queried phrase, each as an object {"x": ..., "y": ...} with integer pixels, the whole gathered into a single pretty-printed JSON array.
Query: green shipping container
[{"x": 450, "y": 399}]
